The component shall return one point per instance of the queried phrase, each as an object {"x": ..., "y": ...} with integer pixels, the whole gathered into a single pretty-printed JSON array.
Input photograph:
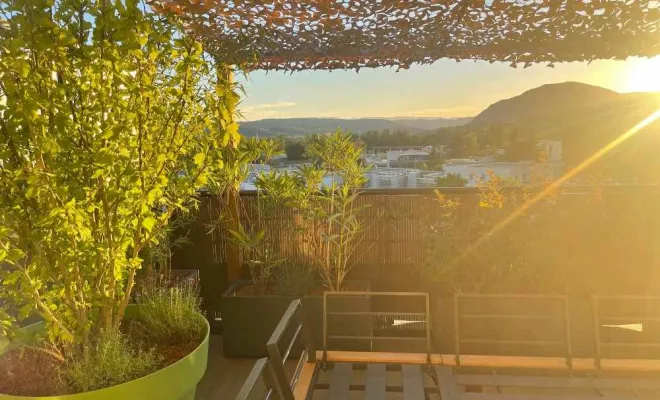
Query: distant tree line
[
  {"x": 458, "y": 142},
  {"x": 451, "y": 180},
  {"x": 463, "y": 141},
  {"x": 633, "y": 161}
]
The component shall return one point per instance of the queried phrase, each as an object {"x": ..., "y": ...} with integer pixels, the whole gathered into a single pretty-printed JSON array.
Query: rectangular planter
[{"x": 249, "y": 320}]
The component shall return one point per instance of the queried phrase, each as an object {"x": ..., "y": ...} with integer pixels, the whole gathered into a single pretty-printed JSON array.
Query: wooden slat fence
[{"x": 605, "y": 238}]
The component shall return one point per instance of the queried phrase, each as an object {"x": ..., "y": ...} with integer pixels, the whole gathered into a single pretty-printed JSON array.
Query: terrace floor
[{"x": 224, "y": 376}]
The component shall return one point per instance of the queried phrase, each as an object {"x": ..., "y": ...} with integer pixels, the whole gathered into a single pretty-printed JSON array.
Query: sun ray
[{"x": 564, "y": 178}]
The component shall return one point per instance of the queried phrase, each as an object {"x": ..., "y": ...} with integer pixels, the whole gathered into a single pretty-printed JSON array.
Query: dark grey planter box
[{"x": 249, "y": 320}]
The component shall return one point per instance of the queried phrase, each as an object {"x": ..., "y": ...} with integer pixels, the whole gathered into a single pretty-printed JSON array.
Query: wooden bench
[
  {"x": 449, "y": 385},
  {"x": 299, "y": 384}
]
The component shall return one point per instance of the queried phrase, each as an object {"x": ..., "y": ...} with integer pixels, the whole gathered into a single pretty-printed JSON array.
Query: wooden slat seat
[
  {"x": 493, "y": 396},
  {"x": 376, "y": 382},
  {"x": 556, "y": 382},
  {"x": 305, "y": 381},
  {"x": 413, "y": 382},
  {"x": 495, "y": 362},
  {"x": 341, "y": 381},
  {"x": 375, "y": 357},
  {"x": 449, "y": 383},
  {"x": 488, "y": 361},
  {"x": 608, "y": 364}
]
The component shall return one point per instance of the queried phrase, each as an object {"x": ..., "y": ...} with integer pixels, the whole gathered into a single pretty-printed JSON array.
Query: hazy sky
[{"x": 444, "y": 89}]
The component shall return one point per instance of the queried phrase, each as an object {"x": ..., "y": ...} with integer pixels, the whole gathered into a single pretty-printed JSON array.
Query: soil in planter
[
  {"x": 169, "y": 353},
  {"x": 30, "y": 373},
  {"x": 27, "y": 372}
]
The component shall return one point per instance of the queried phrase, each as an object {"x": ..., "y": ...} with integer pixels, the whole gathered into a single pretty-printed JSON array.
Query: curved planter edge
[{"x": 177, "y": 381}]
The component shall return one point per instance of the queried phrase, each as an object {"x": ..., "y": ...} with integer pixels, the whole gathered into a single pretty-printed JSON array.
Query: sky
[{"x": 444, "y": 89}]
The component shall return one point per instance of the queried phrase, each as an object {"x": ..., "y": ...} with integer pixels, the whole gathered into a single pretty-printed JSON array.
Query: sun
[{"x": 643, "y": 75}]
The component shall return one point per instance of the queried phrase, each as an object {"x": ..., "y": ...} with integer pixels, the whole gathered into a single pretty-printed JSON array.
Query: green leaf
[
  {"x": 199, "y": 159},
  {"x": 149, "y": 223},
  {"x": 12, "y": 278}
]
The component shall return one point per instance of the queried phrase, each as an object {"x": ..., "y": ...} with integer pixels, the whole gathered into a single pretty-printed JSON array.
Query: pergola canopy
[{"x": 351, "y": 34}]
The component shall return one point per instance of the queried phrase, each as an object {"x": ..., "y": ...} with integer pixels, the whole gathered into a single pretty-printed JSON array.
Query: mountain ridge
[
  {"x": 302, "y": 126},
  {"x": 547, "y": 101}
]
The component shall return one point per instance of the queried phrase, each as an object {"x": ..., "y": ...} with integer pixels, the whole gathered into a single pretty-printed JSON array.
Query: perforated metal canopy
[{"x": 351, "y": 34}]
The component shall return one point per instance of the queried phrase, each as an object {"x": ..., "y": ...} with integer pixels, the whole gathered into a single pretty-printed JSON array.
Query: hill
[
  {"x": 305, "y": 126},
  {"x": 547, "y": 101},
  {"x": 586, "y": 118},
  {"x": 552, "y": 109}
]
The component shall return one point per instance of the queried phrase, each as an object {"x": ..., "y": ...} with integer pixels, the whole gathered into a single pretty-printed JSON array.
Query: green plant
[
  {"x": 319, "y": 202},
  {"x": 451, "y": 180},
  {"x": 492, "y": 246},
  {"x": 108, "y": 360},
  {"x": 170, "y": 313},
  {"x": 338, "y": 156},
  {"x": 110, "y": 118},
  {"x": 262, "y": 260},
  {"x": 239, "y": 162},
  {"x": 295, "y": 280}
]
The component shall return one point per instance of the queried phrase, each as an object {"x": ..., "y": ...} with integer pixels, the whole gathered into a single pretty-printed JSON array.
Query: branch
[{"x": 52, "y": 353}]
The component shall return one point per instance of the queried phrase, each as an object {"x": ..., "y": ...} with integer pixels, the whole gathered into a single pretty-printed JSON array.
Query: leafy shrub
[
  {"x": 295, "y": 280},
  {"x": 109, "y": 361},
  {"x": 451, "y": 180},
  {"x": 491, "y": 248},
  {"x": 112, "y": 118},
  {"x": 171, "y": 314}
]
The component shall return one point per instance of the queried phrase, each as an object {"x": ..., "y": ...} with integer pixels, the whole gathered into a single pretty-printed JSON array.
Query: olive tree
[{"x": 110, "y": 120}]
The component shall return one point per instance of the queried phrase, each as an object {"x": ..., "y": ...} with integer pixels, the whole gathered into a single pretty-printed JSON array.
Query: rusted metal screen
[{"x": 338, "y": 34}]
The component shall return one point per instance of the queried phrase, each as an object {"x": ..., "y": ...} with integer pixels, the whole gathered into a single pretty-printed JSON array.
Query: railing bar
[
  {"x": 530, "y": 342},
  {"x": 623, "y": 344},
  {"x": 252, "y": 379},
  {"x": 299, "y": 368},
  {"x": 376, "y": 337},
  {"x": 626, "y": 297},
  {"x": 379, "y": 313},
  {"x": 363, "y": 293},
  {"x": 283, "y": 324},
  {"x": 513, "y": 296},
  {"x": 291, "y": 343},
  {"x": 511, "y": 316},
  {"x": 628, "y": 319}
]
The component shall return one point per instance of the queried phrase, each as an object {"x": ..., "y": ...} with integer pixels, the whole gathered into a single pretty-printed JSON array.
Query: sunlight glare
[
  {"x": 643, "y": 75},
  {"x": 567, "y": 176}
]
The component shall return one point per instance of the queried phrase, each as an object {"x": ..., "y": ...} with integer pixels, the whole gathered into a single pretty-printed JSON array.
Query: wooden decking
[{"x": 224, "y": 376}]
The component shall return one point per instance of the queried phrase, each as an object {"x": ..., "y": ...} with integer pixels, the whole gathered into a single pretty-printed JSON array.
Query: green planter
[{"x": 174, "y": 382}]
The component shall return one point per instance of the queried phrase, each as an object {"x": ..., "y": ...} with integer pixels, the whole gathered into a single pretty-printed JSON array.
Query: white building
[
  {"x": 553, "y": 150},
  {"x": 407, "y": 157},
  {"x": 473, "y": 171},
  {"x": 382, "y": 178}
]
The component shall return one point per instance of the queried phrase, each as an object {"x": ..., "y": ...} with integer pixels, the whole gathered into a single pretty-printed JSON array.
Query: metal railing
[
  {"x": 376, "y": 318},
  {"x": 293, "y": 318},
  {"x": 630, "y": 318},
  {"x": 562, "y": 316},
  {"x": 261, "y": 372}
]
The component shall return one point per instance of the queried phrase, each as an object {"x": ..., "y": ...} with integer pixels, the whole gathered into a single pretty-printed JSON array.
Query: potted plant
[
  {"x": 108, "y": 119},
  {"x": 311, "y": 247}
]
